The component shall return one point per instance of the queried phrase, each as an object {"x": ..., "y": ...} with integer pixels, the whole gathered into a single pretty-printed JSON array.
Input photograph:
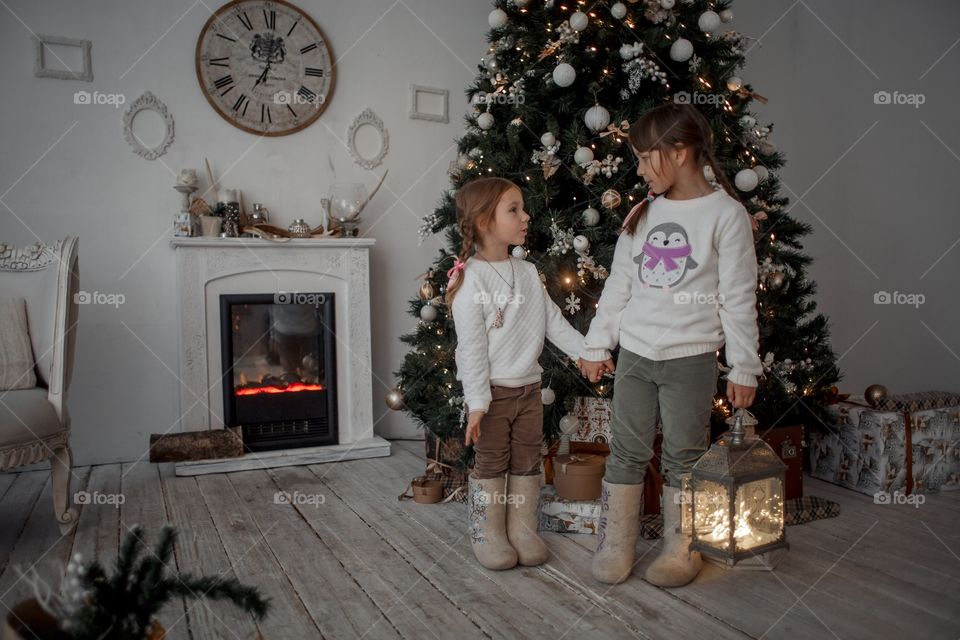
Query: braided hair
[{"x": 476, "y": 203}]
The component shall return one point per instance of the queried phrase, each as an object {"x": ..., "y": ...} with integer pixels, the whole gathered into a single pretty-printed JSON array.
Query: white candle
[
  {"x": 228, "y": 195},
  {"x": 187, "y": 177}
]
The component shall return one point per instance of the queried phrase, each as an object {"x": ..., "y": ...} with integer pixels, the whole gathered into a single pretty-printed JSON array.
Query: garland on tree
[{"x": 549, "y": 109}]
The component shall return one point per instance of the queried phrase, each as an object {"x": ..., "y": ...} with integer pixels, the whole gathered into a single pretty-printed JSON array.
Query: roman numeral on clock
[
  {"x": 224, "y": 82},
  {"x": 313, "y": 71},
  {"x": 292, "y": 111},
  {"x": 220, "y": 35},
  {"x": 309, "y": 47},
  {"x": 245, "y": 20},
  {"x": 242, "y": 103},
  {"x": 265, "y": 110},
  {"x": 294, "y": 26},
  {"x": 270, "y": 19},
  {"x": 219, "y": 62},
  {"x": 306, "y": 94}
]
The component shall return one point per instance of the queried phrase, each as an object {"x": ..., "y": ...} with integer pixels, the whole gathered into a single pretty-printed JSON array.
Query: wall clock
[{"x": 265, "y": 66}]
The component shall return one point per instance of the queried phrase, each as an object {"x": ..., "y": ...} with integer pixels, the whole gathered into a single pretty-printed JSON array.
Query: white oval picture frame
[
  {"x": 365, "y": 119},
  {"x": 148, "y": 102}
]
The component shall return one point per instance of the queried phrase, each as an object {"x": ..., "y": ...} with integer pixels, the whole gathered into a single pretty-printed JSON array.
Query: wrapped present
[
  {"x": 907, "y": 444},
  {"x": 567, "y": 516},
  {"x": 809, "y": 508},
  {"x": 577, "y": 476},
  {"x": 594, "y": 415}
]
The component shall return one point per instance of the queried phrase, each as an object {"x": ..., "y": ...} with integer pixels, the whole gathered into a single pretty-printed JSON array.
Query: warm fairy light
[{"x": 567, "y": 280}]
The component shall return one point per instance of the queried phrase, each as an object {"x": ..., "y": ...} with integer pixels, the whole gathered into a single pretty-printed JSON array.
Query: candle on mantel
[
  {"x": 227, "y": 195},
  {"x": 187, "y": 178}
]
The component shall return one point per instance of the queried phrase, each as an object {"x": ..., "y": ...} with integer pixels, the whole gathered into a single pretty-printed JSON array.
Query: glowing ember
[{"x": 291, "y": 388}]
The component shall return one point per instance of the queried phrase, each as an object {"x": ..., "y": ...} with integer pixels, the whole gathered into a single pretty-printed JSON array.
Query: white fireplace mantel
[{"x": 210, "y": 267}]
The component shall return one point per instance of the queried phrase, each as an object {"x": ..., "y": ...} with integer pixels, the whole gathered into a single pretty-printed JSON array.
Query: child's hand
[
  {"x": 592, "y": 370},
  {"x": 740, "y": 397},
  {"x": 473, "y": 427}
]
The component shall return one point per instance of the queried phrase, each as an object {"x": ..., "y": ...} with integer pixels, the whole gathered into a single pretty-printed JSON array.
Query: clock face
[{"x": 265, "y": 66}]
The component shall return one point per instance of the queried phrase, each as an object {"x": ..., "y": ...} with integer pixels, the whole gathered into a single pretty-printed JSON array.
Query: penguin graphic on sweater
[{"x": 666, "y": 256}]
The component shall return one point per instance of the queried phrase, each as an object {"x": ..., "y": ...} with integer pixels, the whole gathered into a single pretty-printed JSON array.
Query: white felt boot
[
  {"x": 676, "y": 565},
  {"x": 523, "y": 521},
  {"x": 617, "y": 534},
  {"x": 486, "y": 504}
]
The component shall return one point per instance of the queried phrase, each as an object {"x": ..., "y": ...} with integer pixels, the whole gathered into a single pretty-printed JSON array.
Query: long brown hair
[
  {"x": 674, "y": 125},
  {"x": 476, "y": 205}
]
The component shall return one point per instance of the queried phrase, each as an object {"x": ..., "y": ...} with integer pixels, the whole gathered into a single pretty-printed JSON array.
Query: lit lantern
[{"x": 737, "y": 499}]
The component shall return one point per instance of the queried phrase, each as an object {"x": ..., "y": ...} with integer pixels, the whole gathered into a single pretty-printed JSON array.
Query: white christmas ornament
[
  {"x": 761, "y": 172},
  {"x": 564, "y": 75},
  {"x": 581, "y": 244},
  {"x": 618, "y": 10},
  {"x": 547, "y": 395},
  {"x": 768, "y": 148},
  {"x": 497, "y": 18},
  {"x": 746, "y": 180},
  {"x": 583, "y": 155},
  {"x": 709, "y": 21},
  {"x": 569, "y": 424},
  {"x": 596, "y": 118},
  {"x": 726, "y": 15},
  {"x": 485, "y": 121},
  {"x": 492, "y": 64},
  {"x": 475, "y": 153},
  {"x": 548, "y": 139},
  {"x": 748, "y": 121},
  {"x": 591, "y": 217},
  {"x": 734, "y": 83},
  {"x": 681, "y": 50},
  {"x": 428, "y": 313},
  {"x": 519, "y": 253},
  {"x": 667, "y": 4},
  {"x": 579, "y": 21}
]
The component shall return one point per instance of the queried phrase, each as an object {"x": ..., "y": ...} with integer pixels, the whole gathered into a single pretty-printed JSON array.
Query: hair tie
[
  {"x": 454, "y": 273},
  {"x": 636, "y": 209}
]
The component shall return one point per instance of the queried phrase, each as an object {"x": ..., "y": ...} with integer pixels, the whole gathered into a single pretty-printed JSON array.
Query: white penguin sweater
[
  {"x": 683, "y": 284},
  {"x": 507, "y": 355}
]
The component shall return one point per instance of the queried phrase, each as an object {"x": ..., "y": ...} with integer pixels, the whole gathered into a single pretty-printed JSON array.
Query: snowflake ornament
[{"x": 573, "y": 304}]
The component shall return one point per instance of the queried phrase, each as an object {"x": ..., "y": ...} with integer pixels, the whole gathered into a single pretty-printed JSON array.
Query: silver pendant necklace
[{"x": 498, "y": 318}]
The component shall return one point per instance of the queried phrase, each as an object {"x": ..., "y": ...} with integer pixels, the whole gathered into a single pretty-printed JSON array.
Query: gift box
[
  {"x": 907, "y": 444},
  {"x": 567, "y": 516},
  {"x": 594, "y": 415},
  {"x": 577, "y": 476}
]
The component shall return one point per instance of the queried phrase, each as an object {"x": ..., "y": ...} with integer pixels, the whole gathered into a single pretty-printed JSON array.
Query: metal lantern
[{"x": 737, "y": 499}]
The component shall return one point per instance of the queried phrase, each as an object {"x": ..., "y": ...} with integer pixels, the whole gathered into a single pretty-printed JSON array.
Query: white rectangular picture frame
[
  {"x": 416, "y": 114},
  {"x": 41, "y": 71}
]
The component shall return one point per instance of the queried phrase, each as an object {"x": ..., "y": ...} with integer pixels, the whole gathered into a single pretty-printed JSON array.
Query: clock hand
[{"x": 263, "y": 76}]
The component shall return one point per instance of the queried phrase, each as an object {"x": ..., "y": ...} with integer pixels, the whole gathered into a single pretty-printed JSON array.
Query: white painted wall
[
  {"x": 882, "y": 210},
  {"x": 66, "y": 169}
]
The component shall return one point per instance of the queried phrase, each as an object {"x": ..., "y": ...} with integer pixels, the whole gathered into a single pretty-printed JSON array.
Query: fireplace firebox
[{"x": 279, "y": 369}]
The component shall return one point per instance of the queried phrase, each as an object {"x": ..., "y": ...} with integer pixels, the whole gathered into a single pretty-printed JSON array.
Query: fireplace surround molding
[{"x": 207, "y": 268}]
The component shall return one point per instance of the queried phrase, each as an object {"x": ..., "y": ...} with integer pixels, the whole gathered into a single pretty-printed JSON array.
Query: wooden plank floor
[{"x": 341, "y": 557}]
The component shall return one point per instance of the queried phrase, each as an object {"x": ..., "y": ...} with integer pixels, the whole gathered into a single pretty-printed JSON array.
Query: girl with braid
[{"x": 502, "y": 314}]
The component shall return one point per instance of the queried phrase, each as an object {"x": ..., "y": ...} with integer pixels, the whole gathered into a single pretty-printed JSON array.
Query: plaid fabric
[
  {"x": 651, "y": 526},
  {"x": 809, "y": 508},
  {"x": 921, "y": 401}
]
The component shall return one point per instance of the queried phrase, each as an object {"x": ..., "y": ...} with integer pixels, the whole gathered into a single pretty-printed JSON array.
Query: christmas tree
[{"x": 549, "y": 109}]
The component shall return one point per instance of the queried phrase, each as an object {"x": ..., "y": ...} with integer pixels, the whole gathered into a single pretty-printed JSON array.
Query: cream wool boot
[
  {"x": 523, "y": 498},
  {"x": 486, "y": 504},
  {"x": 676, "y": 565},
  {"x": 617, "y": 535}
]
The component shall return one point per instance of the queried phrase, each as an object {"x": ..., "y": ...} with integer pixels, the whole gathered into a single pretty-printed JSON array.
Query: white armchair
[{"x": 35, "y": 423}]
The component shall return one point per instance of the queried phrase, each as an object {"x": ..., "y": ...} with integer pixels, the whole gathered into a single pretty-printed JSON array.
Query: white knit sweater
[
  {"x": 683, "y": 284},
  {"x": 508, "y": 355}
]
